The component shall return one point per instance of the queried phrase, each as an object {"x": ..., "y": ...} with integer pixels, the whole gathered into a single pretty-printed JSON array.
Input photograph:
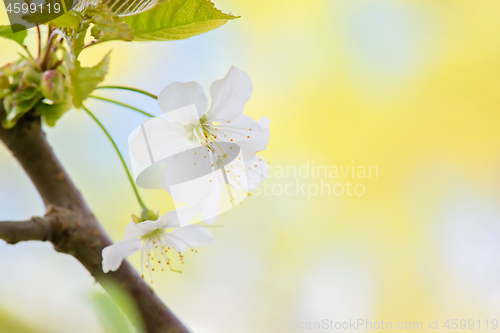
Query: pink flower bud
[{"x": 53, "y": 86}]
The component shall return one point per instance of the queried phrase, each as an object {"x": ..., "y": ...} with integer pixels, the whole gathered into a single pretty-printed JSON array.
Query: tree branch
[
  {"x": 35, "y": 229},
  {"x": 70, "y": 225}
]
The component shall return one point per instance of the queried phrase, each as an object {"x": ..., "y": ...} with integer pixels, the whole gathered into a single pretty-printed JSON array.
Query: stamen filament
[
  {"x": 156, "y": 253},
  {"x": 165, "y": 240},
  {"x": 142, "y": 259},
  {"x": 239, "y": 184},
  {"x": 137, "y": 90},
  {"x": 121, "y": 104},
  {"x": 149, "y": 261}
]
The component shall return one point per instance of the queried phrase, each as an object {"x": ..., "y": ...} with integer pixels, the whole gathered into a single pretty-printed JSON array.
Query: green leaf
[
  {"x": 112, "y": 319},
  {"x": 70, "y": 20},
  {"x": 26, "y": 94},
  {"x": 85, "y": 79},
  {"x": 107, "y": 25},
  {"x": 51, "y": 113},
  {"x": 117, "y": 314},
  {"x": 130, "y": 7},
  {"x": 177, "y": 19},
  {"x": 18, "y": 37},
  {"x": 79, "y": 42},
  {"x": 17, "y": 104},
  {"x": 11, "y": 323}
]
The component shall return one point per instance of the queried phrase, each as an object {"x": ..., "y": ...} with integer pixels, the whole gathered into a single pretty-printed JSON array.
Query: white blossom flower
[
  {"x": 199, "y": 147},
  {"x": 254, "y": 171},
  {"x": 158, "y": 241},
  {"x": 189, "y": 124},
  {"x": 241, "y": 180},
  {"x": 224, "y": 121}
]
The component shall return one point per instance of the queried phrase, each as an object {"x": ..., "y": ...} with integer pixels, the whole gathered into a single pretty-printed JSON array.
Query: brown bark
[
  {"x": 70, "y": 225},
  {"x": 35, "y": 229}
]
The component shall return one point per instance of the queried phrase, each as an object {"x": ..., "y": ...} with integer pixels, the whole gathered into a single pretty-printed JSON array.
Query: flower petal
[
  {"x": 187, "y": 115},
  {"x": 211, "y": 206},
  {"x": 257, "y": 170},
  {"x": 136, "y": 231},
  {"x": 181, "y": 94},
  {"x": 180, "y": 216},
  {"x": 155, "y": 139},
  {"x": 193, "y": 192},
  {"x": 197, "y": 177},
  {"x": 229, "y": 95},
  {"x": 246, "y": 133},
  {"x": 185, "y": 238},
  {"x": 264, "y": 122},
  {"x": 113, "y": 255},
  {"x": 187, "y": 175},
  {"x": 169, "y": 220}
]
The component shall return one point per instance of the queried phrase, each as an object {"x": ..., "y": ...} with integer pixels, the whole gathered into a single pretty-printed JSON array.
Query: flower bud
[
  {"x": 4, "y": 82},
  {"x": 51, "y": 113},
  {"x": 31, "y": 77},
  {"x": 53, "y": 86},
  {"x": 152, "y": 216}
]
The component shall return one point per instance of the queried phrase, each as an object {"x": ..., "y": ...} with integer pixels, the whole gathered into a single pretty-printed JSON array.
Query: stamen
[
  {"x": 149, "y": 262},
  {"x": 163, "y": 239},
  {"x": 142, "y": 259},
  {"x": 156, "y": 250}
]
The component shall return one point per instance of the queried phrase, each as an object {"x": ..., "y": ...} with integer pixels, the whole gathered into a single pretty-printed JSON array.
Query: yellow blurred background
[{"x": 410, "y": 87}]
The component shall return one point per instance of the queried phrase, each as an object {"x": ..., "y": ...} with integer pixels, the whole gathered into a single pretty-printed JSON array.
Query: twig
[
  {"x": 109, "y": 100},
  {"x": 39, "y": 40},
  {"x": 137, "y": 90},
  {"x": 35, "y": 229},
  {"x": 48, "y": 47}
]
